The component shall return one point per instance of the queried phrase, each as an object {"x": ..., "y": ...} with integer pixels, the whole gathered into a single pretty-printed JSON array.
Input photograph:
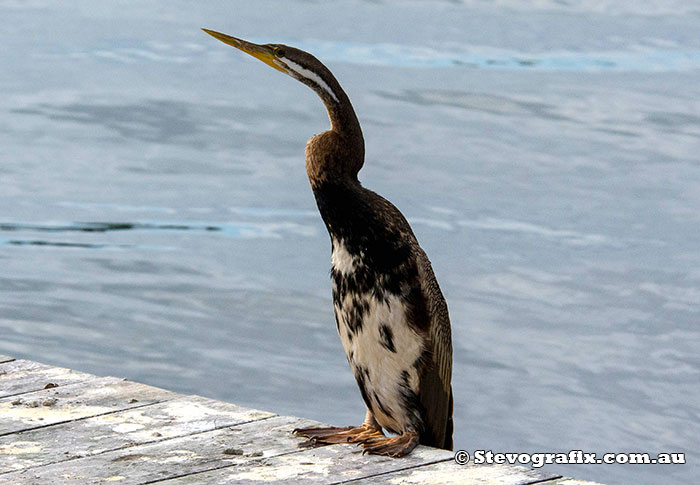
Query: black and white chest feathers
[{"x": 379, "y": 307}]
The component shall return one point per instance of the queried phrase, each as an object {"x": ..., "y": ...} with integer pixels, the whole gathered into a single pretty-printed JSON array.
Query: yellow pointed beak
[{"x": 262, "y": 52}]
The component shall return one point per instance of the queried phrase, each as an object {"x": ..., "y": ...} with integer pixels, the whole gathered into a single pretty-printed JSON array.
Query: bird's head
[{"x": 292, "y": 61}]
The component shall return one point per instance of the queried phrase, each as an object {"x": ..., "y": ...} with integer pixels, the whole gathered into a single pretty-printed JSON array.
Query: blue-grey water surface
[{"x": 156, "y": 221}]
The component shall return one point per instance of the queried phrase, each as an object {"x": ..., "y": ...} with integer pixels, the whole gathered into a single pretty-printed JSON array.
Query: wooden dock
[{"x": 63, "y": 426}]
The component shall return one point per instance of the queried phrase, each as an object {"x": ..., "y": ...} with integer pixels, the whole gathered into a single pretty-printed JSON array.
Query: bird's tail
[
  {"x": 439, "y": 426},
  {"x": 449, "y": 425}
]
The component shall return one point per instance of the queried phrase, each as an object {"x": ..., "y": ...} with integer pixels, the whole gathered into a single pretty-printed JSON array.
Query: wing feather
[{"x": 436, "y": 382}]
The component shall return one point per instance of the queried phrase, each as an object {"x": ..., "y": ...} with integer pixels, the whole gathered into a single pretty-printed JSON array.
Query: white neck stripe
[{"x": 310, "y": 75}]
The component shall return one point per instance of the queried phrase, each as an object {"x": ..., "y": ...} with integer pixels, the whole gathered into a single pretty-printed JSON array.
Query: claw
[{"x": 310, "y": 443}]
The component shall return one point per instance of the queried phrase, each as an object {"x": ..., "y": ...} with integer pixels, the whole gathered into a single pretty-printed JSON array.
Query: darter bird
[{"x": 389, "y": 311}]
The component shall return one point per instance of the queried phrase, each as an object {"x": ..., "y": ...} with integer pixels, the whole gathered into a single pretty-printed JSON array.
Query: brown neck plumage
[{"x": 336, "y": 155}]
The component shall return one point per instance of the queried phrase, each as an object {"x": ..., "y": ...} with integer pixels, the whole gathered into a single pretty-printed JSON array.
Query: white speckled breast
[{"x": 382, "y": 350}]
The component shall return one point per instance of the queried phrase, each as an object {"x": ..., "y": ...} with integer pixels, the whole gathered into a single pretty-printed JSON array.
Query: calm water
[{"x": 156, "y": 221}]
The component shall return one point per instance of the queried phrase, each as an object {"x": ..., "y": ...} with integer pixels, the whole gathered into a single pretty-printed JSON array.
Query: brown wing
[{"x": 436, "y": 382}]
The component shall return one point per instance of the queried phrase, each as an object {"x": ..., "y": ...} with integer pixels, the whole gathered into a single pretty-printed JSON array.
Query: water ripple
[
  {"x": 28, "y": 242},
  {"x": 570, "y": 237},
  {"x": 385, "y": 54},
  {"x": 104, "y": 226},
  {"x": 246, "y": 230},
  {"x": 401, "y": 55}
]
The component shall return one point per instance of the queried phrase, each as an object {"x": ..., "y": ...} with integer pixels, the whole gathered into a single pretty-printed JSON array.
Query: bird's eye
[{"x": 279, "y": 52}]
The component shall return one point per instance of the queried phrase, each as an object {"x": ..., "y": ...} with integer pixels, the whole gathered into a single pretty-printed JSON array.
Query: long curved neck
[
  {"x": 337, "y": 155},
  {"x": 340, "y": 111},
  {"x": 344, "y": 122}
]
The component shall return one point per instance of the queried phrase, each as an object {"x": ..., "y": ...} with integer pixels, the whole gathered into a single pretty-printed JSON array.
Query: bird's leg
[
  {"x": 396, "y": 446},
  {"x": 369, "y": 429}
]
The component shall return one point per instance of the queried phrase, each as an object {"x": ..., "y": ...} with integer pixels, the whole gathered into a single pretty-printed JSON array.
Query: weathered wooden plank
[
  {"x": 5, "y": 358},
  {"x": 21, "y": 376},
  {"x": 329, "y": 464},
  {"x": 179, "y": 417},
  {"x": 449, "y": 473},
  {"x": 75, "y": 401},
  {"x": 96, "y": 430},
  {"x": 173, "y": 457}
]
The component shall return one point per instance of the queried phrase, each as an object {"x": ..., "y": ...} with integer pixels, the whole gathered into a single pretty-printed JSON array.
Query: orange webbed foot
[
  {"x": 336, "y": 434},
  {"x": 396, "y": 446}
]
